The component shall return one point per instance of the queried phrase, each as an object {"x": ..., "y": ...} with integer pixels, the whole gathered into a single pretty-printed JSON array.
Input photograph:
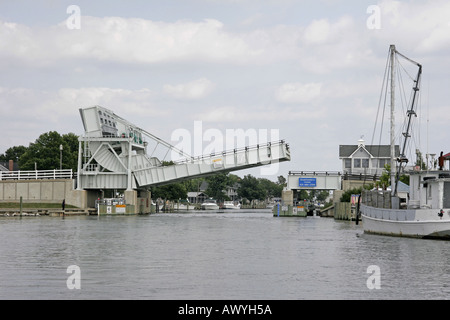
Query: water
[{"x": 230, "y": 255}]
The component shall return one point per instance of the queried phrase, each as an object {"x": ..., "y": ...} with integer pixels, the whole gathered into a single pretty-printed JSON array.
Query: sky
[{"x": 308, "y": 72}]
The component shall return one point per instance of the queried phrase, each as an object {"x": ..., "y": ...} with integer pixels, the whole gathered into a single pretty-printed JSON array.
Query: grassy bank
[{"x": 16, "y": 205}]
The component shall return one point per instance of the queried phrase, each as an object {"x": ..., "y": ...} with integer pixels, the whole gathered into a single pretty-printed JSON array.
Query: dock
[{"x": 288, "y": 211}]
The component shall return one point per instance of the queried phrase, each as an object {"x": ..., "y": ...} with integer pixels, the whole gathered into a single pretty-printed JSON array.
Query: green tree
[
  {"x": 303, "y": 194},
  {"x": 13, "y": 153},
  {"x": 385, "y": 178},
  {"x": 174, "y": 191},
  {"x": 192, "y": 184},
  {"x": 216, "y": 186},
  {"x": 70, "y": 153},
  {"x": 420, "y": 162},
  {"x": 346, "y": 196},
  {"x": 45, "y": 152},
  {"x": 251, "y": 189},
  {"x": 271, "y": 188},
  {"x": 322, "y": 196},
  {"x": 282, "y": 181}
]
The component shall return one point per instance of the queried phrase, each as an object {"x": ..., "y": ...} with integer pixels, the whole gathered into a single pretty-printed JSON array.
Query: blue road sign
[{"x": 307, "y": 182}]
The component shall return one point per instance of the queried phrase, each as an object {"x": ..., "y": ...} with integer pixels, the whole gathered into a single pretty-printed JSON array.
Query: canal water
[{"x": 214, "y": 255}]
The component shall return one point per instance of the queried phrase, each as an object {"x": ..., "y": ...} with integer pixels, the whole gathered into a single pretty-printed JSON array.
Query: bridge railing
[
  {"x": 345, "y": 175},
  {"x": 315, "y": 173},
  {"x": 231, "y": 151},
  {"x": 36, "y": 174}
]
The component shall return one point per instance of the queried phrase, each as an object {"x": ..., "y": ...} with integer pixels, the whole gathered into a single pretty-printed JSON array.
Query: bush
[{"x": 346, "y": 196}]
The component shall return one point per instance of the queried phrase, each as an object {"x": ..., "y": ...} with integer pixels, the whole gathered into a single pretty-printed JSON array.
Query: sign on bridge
[
  {"x": 318, "y": 180},
  {"x": 307, "y": 182}
]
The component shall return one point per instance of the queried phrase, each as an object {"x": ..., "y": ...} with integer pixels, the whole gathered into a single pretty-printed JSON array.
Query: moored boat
[
  {"x": 424, "y": 211},
  {"x": 210, "y": 204},
  {"x": 230, "y": 205}
]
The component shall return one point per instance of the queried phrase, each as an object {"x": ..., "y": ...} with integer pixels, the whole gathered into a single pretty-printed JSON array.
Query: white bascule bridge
[{"x": 113, "y": 154}]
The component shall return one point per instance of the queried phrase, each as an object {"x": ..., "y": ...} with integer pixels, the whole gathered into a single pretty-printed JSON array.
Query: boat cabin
[{"x": 429, "y": 189}]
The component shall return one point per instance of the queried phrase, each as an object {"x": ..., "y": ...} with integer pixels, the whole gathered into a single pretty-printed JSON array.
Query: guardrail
[{"x": 36, "y": 174}]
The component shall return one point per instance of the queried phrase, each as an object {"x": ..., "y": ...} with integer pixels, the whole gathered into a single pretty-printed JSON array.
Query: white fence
[{"x": 36, "y": 174}]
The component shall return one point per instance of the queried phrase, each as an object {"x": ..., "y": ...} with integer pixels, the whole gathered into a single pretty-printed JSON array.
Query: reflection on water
[{"x": 214, "y": 255}]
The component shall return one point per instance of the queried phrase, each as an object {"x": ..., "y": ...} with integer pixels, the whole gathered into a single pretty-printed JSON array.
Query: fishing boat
[
  {"x": 210, "y": 204},
  {"x": 424, "y": 210}
]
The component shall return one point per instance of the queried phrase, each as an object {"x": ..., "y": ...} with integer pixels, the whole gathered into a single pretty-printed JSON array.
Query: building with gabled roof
[{"x": 365, "y": 159}]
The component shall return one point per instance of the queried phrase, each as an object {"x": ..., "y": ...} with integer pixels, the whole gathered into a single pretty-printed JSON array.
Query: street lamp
[{"x": 60, "y": 156}]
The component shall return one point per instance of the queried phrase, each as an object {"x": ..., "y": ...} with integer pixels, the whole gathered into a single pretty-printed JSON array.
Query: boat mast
[
  {"x": 393, "y": 162},
  {"x": 410, "y": 113}
]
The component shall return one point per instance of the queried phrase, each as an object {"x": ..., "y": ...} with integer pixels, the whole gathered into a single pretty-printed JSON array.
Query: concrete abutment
[{"x": 57, "y": 190}]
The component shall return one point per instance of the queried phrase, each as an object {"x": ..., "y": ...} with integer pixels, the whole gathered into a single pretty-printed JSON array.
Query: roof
[
  {"x": 195, "y": 194},
  {"x": 377, "y": 151},
  {"x": 4, "y": 166},
  {"x": 402, "y": 187}
]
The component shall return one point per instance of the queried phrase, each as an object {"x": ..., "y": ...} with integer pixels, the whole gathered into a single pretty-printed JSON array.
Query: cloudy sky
[{"x": 309, "y": 70}]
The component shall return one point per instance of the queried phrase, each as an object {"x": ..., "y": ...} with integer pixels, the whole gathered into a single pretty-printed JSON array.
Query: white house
[{"x": 365, "y": 159}]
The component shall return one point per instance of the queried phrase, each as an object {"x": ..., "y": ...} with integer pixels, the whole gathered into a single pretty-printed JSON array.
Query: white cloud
[
  {"x": 196, "y": 89},
  {"x": 261, "y": 115},
  {"x": 318, "y": 32},
  {"x": 26, "y": 113},
  {"x": 318, "y": 70},
  {"x": 129, "y": 40},
  {"x": 422, "y": 26},
  {"x": 39, "y": 107},
  {"x": 298, "y": 92}
]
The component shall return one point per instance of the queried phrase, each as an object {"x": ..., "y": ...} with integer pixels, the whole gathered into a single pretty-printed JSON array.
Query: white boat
[
  {"x": 424, "y": 212},
  {"x": 231, "y": 205},
  {"x": 210, "y": 204},
  {"x": 183, "y": 205}
]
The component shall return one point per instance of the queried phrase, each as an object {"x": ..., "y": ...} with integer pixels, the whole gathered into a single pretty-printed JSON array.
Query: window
[
  {"x": 381, "y": 163},
  {"x": 348, "y": 163},
  {"x": 365, "y": 163},
  {"x": 356, "y": 163}
]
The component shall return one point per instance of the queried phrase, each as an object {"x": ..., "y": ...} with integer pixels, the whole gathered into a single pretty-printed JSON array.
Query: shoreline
[{"x": 52, "y": 212}]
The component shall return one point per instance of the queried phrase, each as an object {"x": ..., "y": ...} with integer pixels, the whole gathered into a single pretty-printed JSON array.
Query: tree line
[
  {"x": 247, "y": 188},
  {"x": 44, "y": 154}
]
